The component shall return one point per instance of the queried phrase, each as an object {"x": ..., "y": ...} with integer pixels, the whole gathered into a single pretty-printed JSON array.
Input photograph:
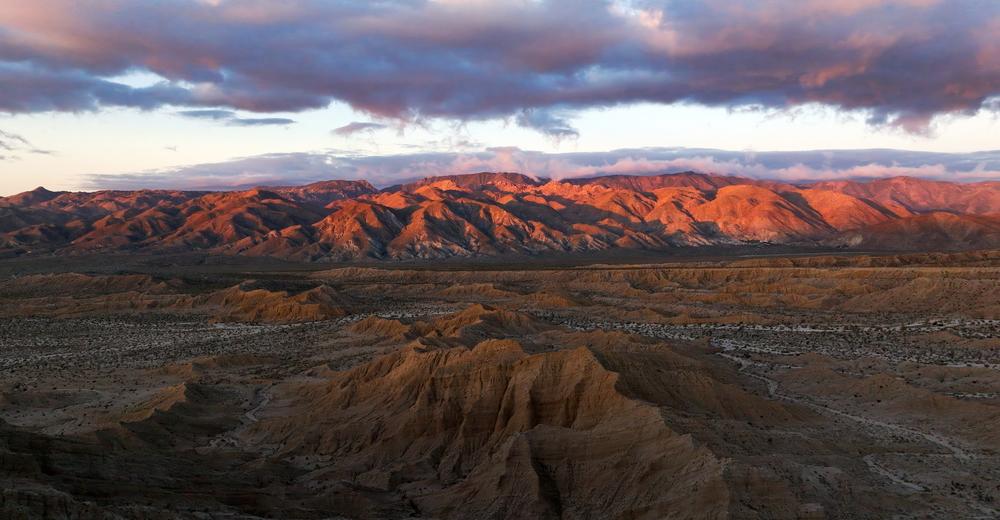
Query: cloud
[
  {"x": 900, "y": 62},
  {"x": 10, "y": 141},
  {"x": 37, "y": 87},
  {"x": 804, "y": 166},
  {"x": 260, "y": 121},
  {"x": 355, "y": 127},
  {"x": 261, "y": 170},
  {"x": 215, "y": 115},
  {"x": 14, "y": 146},
  {"x": 230, "y": 118},
  {"x": 547, "y": 123}
]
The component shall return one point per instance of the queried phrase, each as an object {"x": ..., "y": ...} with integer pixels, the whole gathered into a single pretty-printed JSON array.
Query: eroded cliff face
[
  {"x": 504, "y": 213},
  {"x": 494, "y": 432}
]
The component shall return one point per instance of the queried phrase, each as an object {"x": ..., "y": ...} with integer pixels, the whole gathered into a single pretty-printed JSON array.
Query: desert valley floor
[{"x": 813, "y": 386}]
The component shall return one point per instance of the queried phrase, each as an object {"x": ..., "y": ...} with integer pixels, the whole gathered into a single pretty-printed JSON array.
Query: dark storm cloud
[
  {"x": 902, "y": 62},
  {"x": 230, "y": 118},
  {"x": 803, "y": 166}
]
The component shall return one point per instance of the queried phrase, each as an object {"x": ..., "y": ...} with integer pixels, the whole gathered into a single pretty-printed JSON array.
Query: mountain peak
[
  {"x": 472, "y": 181},
  {"x": 686, "y": 179},
  {"x": 323, "y": 193},
  {"x": 35, "y": 196}
]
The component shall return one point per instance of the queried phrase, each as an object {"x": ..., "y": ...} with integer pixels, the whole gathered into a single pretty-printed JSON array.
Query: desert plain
[{"x": 748, "y": 385}]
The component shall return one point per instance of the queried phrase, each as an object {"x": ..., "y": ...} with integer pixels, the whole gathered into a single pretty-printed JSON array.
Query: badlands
[{"x": 758, "y": 385}]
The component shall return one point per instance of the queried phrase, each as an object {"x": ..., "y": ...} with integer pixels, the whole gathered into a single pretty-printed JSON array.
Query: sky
[{"x": 217, "y": 94}]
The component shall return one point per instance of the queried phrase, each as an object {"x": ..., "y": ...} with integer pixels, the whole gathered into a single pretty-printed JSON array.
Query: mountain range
[{"x": 486, "y": 214}]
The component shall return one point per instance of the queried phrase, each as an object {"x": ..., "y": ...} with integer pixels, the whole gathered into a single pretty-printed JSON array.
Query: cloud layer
[
  {"x": 902, "y": 62},
  {"x": 804, "y": 166}
]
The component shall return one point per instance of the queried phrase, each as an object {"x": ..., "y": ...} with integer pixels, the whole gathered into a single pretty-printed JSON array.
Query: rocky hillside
[{"x": 502, "y": 213}]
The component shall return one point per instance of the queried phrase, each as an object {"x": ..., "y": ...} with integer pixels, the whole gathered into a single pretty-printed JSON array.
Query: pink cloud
[{"x": 903, "y": 62}]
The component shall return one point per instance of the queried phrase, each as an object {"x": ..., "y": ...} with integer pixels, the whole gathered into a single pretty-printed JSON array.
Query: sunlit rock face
[{"x": 488, "y": 214}]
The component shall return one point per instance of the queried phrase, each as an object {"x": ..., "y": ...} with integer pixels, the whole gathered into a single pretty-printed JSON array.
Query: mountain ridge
[{"x": 492, "y": 213}]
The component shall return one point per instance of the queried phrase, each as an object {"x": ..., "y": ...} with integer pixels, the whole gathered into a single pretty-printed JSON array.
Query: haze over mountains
[{"x": 506, "y": 213}]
